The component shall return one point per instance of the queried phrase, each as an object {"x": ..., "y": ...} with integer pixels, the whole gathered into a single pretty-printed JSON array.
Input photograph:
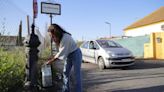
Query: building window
[
  {"x": 162, "y": 27},
  {"x": 159, "y": 40}
]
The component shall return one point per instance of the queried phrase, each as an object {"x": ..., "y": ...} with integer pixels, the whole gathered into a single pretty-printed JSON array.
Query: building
[
  {"x": 10, "y": 41},
  {"x": 147, "y": 25}
]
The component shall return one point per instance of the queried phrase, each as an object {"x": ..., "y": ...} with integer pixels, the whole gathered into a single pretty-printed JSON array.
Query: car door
[
  {"x": 84, "y": 49},
  {"x": 91, "y": 52}
]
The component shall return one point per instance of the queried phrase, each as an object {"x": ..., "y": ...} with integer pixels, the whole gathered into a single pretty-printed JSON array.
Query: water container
[{"x": 46, "y": 75}]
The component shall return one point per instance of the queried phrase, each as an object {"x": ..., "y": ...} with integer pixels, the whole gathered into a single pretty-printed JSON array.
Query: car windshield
[{"x": 108, "y": 44}]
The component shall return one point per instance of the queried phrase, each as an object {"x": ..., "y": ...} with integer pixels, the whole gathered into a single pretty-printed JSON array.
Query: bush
[
  {"x": 12, "y": 71},
  {"x": 46, "y": 53}
]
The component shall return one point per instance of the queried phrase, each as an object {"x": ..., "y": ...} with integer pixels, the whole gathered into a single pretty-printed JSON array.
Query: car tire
[
  {"x": 101, "y": 63},
  {"x": 84, "y": 61}
]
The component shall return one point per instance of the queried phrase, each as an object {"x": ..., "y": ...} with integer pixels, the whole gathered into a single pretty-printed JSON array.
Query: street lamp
[{"x": 109, "y": 28}]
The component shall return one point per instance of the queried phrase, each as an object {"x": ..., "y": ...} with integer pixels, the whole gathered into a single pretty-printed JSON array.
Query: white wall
[{"x": 140, "y": 31}]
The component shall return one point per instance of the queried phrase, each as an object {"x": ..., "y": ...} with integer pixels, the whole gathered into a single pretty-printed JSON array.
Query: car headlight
[{"x": 112, "y": 55}]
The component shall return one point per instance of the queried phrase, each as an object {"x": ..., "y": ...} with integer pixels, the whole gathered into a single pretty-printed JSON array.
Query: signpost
[
  {"x": 51, "y": 9},
  {"x": 32, "y": 43}
]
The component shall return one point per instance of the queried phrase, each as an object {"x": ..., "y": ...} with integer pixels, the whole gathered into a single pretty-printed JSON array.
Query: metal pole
[
  {"x": 51, "y": 18},
  {"x": 51, "y": 38},
  {"x": 109, "y": 28}
]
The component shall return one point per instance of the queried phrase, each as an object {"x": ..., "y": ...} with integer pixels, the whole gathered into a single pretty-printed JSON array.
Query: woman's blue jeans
[{"x": 74, "y": 60}]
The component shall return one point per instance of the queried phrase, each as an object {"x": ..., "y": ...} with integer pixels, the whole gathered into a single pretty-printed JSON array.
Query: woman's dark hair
[{"x": 56, "y": 30}]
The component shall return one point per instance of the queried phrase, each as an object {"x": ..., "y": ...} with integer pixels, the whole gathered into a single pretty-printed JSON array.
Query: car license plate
[{"x": 126, "y": 60}]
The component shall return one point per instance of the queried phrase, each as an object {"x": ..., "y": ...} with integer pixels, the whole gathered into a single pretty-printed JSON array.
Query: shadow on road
[
  {"x": 146, "y": 64},
  {"x": 148, "y": 89},
  {"x": 142, "y": 70}
]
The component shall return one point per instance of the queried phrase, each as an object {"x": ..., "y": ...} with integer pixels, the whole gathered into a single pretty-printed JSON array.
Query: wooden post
[
  {"x": 154, "y": 45},
  {"x": 28, "y": 25}
]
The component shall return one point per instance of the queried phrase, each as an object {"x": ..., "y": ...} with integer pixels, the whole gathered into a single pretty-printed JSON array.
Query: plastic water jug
[{"x": 46, "y": 75}]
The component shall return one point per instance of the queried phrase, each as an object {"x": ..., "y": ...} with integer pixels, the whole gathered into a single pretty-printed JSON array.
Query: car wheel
[
  {"x": 83, "y": 61},
  {"x": 101, "y": 63}
]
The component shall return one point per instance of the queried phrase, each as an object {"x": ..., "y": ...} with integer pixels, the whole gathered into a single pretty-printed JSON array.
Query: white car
[{"x": 106, "y": 54}]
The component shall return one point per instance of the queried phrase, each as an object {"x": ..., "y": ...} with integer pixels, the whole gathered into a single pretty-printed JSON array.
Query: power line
[
  {"x": 11, "y": 11},
  {"x": 15, "y": 7}
]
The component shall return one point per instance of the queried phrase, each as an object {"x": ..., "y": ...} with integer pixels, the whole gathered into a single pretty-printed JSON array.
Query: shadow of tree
[
  {"x": 95, "y": 77},
  {"x": 148, "y": 89},
  {"x": 147, "y": 64}
]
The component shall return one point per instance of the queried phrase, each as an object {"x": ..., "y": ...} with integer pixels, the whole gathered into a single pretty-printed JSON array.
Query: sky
[{"x": 84, "y": 19}]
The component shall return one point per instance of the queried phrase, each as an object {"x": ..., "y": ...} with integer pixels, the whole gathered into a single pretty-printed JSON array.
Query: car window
[
  {"x": 113, "y": 44},
  {"x": 96, "y": 45},
  {"x": 108, "y": 44},
  {"x": 93, "y": 45},
  {"x": 85, "y": 45}
]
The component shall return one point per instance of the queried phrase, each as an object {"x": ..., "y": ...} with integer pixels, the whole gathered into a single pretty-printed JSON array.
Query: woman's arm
[{"x": 51, "y": 60}]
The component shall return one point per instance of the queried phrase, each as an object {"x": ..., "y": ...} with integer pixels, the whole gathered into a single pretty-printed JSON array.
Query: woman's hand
[
  {"x": 51, "y": 57},
  {"x": 51, "y": 60}
]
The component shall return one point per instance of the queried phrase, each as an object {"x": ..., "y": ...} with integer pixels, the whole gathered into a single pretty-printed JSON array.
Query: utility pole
[{"x": 109, "y": 28}]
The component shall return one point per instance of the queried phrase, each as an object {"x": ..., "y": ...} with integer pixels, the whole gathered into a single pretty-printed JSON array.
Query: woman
[{"x": 69, "y": 52}]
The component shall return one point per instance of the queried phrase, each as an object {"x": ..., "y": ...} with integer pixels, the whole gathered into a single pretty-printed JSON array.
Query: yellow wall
[
  {"x": 148, "y": 51},
  {"x": 159, "y": 45},
  {"x": 155, "y": 49}
]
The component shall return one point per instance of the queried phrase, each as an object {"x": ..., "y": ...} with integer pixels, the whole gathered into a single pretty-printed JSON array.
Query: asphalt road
[{"x": 144, "y": 76}]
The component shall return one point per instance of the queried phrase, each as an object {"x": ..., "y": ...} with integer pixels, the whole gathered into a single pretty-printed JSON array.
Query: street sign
[
  {"x": 35, "y": 8},
  {"x": 50, "y": 8}
]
